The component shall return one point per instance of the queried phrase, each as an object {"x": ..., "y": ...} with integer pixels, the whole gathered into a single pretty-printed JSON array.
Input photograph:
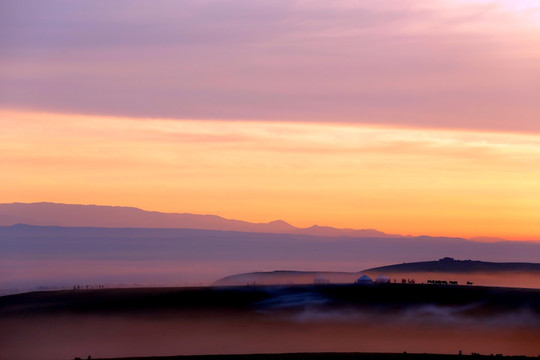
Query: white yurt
[
  {"x": 382, "y": 279},
  {"x": 363, "y": 280}
]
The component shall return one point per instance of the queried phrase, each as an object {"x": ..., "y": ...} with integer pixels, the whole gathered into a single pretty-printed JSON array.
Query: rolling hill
[{"x": 458, "y": 266}]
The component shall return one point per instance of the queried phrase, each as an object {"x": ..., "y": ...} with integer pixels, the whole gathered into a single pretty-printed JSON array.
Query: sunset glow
[{"x": 398, "y": 180}]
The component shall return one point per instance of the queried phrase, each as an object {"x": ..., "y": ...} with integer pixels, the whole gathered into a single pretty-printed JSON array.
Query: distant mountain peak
[
  {"x": 77, "y": 215},
  {"x": 279, "y": 222}
]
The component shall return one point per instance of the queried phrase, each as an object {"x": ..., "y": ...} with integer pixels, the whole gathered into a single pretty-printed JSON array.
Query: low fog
[{"x": 33, "y": 257}]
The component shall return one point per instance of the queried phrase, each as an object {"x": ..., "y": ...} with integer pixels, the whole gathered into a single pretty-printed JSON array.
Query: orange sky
[{"x": 397, "y": 180}]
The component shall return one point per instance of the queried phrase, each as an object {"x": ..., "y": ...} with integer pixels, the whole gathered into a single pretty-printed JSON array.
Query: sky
[{"x": 411, "y": 117}]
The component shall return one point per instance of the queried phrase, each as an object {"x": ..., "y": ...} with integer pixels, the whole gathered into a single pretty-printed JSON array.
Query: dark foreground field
[
  {"x": 333, "y": 356},
  {"x": 393, "y": 318}
]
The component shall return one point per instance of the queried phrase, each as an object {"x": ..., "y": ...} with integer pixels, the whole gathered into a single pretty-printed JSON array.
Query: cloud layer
[{"x": 439, "y": 63}]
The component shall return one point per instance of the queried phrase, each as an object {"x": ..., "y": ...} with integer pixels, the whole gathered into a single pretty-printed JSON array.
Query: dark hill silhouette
[
  {"x": 458, "y": 266},
  {"x": 72, "y": 215}
]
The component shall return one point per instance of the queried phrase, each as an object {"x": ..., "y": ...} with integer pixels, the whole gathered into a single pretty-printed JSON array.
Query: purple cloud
[{"x": 398, "y": 62}]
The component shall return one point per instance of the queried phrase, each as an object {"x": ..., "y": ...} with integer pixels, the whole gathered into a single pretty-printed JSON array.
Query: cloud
[{"x": 402, "y": 62}]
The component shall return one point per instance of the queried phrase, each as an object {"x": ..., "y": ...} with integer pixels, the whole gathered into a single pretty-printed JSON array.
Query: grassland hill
[{"x": 452, "y": 265}]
